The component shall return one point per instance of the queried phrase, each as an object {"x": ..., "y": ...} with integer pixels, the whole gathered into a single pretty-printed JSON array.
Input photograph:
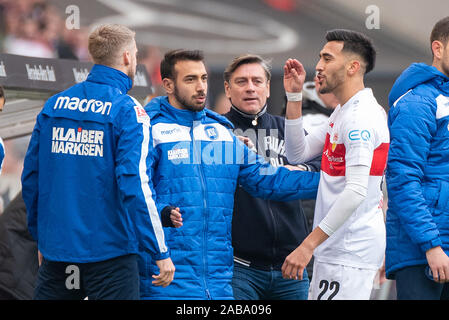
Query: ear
[
  {"x": 354, "y": 67},
  {"x": 126, "y": 58},
  {"x": 437, "y": 49},
  {"x": 227, "y": 88},
  {"x": 169, "y": 85}
]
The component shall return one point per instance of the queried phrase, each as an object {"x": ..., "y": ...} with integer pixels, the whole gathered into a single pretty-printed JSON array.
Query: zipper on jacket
[
  {"x": 205, "y": 228},
  {"x": 197, "y": 155}
]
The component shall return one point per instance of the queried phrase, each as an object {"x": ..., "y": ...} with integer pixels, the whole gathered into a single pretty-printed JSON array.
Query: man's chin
[
  {"x": 197, "y": 108},
  {"x": 250, "y": 108},
  {"x": 324, "y": 90}
]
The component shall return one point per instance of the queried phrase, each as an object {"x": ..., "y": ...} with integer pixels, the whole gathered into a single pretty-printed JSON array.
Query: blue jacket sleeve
[
  {"x": 314, "y": 164},
  {"x": 412, "y": 125},
  {"x": 262, "y": 180},
  {"x": 164, "y": 209},
  {"x": 30, "y": 175},
  {"x": 2, "y": 153},
  {"x": 133, "y": 172}
]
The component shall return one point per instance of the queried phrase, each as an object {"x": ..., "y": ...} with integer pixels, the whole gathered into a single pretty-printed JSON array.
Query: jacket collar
[
  {"x": 160, "y": 105},
  {"x": 110, "y": 76},
  {"x": 248, "y": 119},
  {"x": 416, "y": 74}
]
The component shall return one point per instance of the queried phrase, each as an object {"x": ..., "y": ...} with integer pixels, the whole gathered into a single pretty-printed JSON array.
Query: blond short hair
[{"x": 107, "y": 42}]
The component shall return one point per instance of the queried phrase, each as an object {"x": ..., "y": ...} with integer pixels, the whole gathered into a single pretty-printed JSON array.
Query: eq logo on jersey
[
  {"x": 211, "y": 132},
  {"x": 355, "y": 135}
]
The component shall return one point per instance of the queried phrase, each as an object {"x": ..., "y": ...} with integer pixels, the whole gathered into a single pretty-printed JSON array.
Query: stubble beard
[
  {"x": 332, "y": 83},
  {"x": 188, "y": 104}
]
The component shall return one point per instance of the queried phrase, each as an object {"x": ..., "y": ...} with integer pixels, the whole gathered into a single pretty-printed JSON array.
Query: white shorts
[{"x": 339, "y": 282}]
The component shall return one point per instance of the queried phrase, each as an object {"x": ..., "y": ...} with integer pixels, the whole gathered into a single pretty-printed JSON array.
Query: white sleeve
[
  {"x": 300, "y": 148},
  {"x": 355, "y": 191}
]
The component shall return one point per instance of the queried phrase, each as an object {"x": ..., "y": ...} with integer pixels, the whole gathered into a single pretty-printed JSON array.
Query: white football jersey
[{"x": 355, "y": 134}]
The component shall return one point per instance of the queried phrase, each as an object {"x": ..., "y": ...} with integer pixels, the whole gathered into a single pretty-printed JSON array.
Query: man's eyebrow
[
  {"x": 191, "y": 76},
  {"x": 195, "y": 76},
  {"x": 250, "y": 77},
  {"x": 325, "y": 54}
]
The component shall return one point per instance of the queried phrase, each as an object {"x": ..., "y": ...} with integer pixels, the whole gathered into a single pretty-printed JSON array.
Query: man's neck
[
  {"x": 121, "y": 68},
  {"x": 174, "y": 103},
  {"x": 348, "y": 90},
  {"x": 437, "y": 64}
]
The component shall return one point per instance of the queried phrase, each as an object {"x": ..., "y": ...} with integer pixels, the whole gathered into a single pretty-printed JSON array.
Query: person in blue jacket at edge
[
  {"x": 85, "y": 182},
  {"x": 418, "y": 176},
  {"x": 198, "y": 163},
  {"x": 2, "y": 146}
]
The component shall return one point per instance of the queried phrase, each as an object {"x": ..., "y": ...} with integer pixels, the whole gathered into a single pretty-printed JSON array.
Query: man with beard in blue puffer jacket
[{"x": 198, "y": 163}]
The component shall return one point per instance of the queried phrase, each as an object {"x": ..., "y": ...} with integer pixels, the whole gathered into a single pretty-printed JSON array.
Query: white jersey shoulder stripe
[
  {"x": 397, "y": 100},
  {"x": 442, "y": 106},
  {"x": 212, "y": 132},
  {"x": 173, "y": 132},
  {"x": 144, "y": 179},
  {"x": 170, "y": 132}
]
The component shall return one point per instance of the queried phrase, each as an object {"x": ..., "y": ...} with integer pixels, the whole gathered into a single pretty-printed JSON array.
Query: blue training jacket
[
  {"x": 86, "y": 173},
  {"x": 418, "y": 167},
  {"x": 198, "y": 163},
  {"x": 2, "y": 154}
]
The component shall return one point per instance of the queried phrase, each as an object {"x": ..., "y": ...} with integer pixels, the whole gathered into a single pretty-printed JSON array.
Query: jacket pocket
[{"x": 443, "y": 198}]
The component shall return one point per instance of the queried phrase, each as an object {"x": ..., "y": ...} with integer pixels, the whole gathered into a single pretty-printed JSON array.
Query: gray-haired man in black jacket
[{"x": 264, "y": 232}]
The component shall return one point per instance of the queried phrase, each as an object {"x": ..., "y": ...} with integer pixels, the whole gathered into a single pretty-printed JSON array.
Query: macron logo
[
  {"x": 83, "y": 105},
  {"x": 169, "y": 132}
]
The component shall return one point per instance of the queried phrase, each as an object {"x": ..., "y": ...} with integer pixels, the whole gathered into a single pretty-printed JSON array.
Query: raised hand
[{"x": 294, "y": 76}]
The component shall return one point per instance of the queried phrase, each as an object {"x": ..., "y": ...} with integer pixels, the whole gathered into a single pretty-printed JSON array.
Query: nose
[
  {"x": 319, "y": 66},
  {"x": 201, "y": 85},
  {"x": 250, "y": 86}
]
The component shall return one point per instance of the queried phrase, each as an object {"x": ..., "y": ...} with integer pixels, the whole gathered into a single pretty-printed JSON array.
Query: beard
[
  {"x": 131, "y": 74},
  {"x": 190, "y": 104},
  {"x": 326, "y": 89},
  {"x": 332, "y": 81},
  {"x": 445, "y": 68}
]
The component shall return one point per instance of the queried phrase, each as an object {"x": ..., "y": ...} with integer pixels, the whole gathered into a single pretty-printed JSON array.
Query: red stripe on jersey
[
  {"x": 333, "y": 161},
  {"x": 379, "y": 162}
]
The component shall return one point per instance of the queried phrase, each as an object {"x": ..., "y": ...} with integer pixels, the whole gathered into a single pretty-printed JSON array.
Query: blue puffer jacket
[
  {"x": 418, "y": 167},
  {"x": 2, "y": 153},
  {"x": 198, "y": 164},
  {"x": 86, "y": 172}
]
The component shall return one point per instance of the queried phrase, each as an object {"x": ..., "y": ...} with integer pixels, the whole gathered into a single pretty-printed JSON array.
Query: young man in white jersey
[{"x": 348, "y": 239}]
